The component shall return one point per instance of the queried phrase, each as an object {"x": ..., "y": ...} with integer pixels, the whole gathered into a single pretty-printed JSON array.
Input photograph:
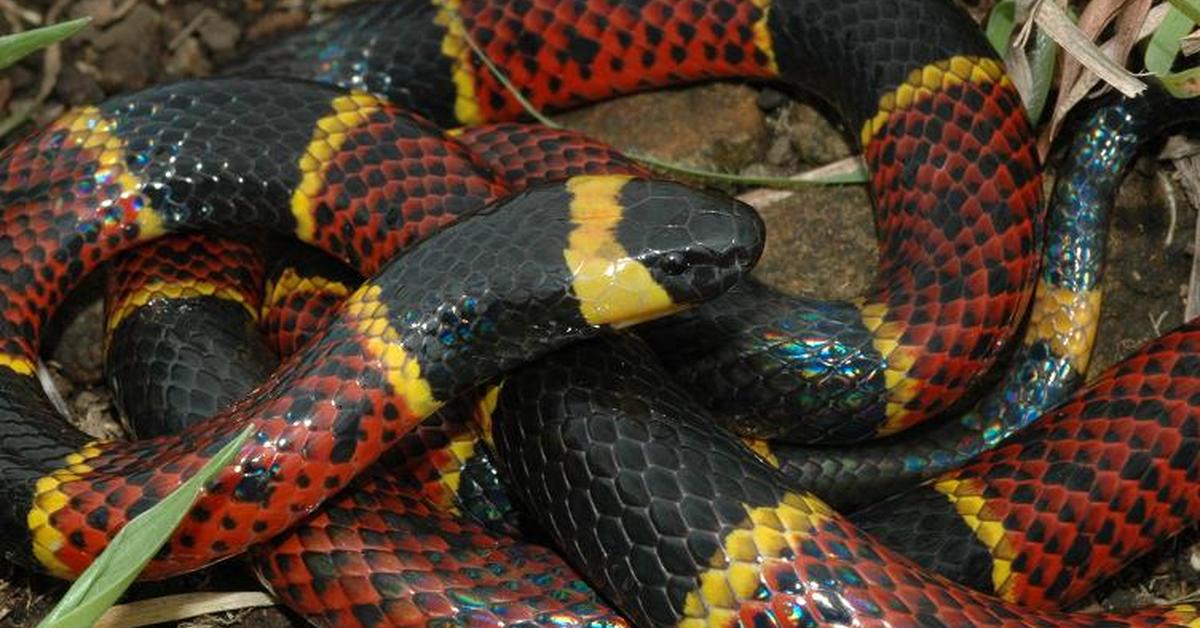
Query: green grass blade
[
  {"x": 858, "y": 176},
  {"x": 1000, "y": 24},
  {"x": 1164, "y": 43},
  {"x": 836, "y": 173},
  {"x": 503, "y": 78},
  {"x": 14, "y": 47},
  {"x": 103, "y": 582},
  {"x": 848, "y": 171},
  {"x": 1164, "y": 47},
  {"x": 1190, "y": 8}
]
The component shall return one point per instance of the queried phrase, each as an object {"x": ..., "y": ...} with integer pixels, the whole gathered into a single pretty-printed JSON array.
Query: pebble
[
  {"x": 219, "y": 33},
  {"x": 780, "y": 153},
  {"x": 770, "y": 99}
]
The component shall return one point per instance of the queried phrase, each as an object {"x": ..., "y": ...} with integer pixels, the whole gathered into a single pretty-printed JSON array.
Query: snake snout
[{"x": 696, "y": 244}]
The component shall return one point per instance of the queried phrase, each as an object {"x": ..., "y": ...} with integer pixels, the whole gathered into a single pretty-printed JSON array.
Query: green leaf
[
  {"x": 1000, "y": 24},
  {"x": 1164, "y": 43},
  {"x": 1191, "y": 8},
  {"x": 1041, "y": 63},
  {"x": 127, "y": 554},
  {"x": 14, "y": 47},
  {"x": 1164, "y": 48}
]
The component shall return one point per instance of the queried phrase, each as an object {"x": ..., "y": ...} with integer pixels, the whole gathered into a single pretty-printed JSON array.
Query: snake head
[
  {"x": 641, "y": 249},
  {"x": 550, "y": 265}
]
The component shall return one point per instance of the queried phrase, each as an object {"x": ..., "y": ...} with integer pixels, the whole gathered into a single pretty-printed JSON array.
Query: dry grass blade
[
  {"x": 761, "y": 198},
  {"x": 999, "y": 28},
  {"x": 1085, "y": 63},
  {"x": 1190, "y": 44},
  {"x": 9, "y": 7},
  {"x": 1078, "y": 41},
  {"x": 1093, "y": 19},
  {"x": 1020, "y": 72},
  {"x": 194, "y": 25},
  {"x": 846, "y": 170},
  {"x": 1130, "y": 23},
  {"x": 1188, "y": 172},
  {"x": 171, "y": 608}
]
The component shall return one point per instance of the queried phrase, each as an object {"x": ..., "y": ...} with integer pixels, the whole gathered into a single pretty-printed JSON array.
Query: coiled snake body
[{"x": 956, "y": 187}]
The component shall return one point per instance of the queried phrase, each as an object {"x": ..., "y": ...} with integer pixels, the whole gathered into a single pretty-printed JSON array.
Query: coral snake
[{"x": 674, "y": 523}]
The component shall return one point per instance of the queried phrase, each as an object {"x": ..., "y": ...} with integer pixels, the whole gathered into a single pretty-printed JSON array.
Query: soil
[{"x": 821, "y": 238}]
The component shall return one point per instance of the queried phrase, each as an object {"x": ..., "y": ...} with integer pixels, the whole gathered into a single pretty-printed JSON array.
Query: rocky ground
[{"x": 821, "y": 238}]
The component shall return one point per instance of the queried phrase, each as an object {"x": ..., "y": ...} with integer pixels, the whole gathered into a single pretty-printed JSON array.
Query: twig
[
  {"x": 1190, "y": 178},
  {"x": 1172, "y": 206},
  {"x": 1187, "y": 598},
  {"x": 1156, "y": 323},
  {"x": 29, "y": 15},
  {"x": 190, "y": 28},
  {"x": 123, "y": 10}
]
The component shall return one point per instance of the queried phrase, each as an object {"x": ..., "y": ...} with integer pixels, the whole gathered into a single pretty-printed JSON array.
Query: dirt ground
[{"x": 821, "y": 240}]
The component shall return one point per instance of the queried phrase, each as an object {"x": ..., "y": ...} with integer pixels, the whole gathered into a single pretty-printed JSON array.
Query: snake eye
[{"x": 673, "y": 263}]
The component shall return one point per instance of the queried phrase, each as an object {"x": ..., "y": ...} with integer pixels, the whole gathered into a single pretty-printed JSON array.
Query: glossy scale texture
[
  {"x": 284, "y": 155},
  {"x": 960, "y": 226}
]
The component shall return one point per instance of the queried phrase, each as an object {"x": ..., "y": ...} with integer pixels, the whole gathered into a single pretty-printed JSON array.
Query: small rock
[
  {"x": 79, "y": 349},
  {"x": 770, "y": 99},
  {"x": 94, "y": 415},
  {"x": 19, "y": 76},
  {"x": 101, "y": 11},
  {"x": 815, "y": 140},
  {"x": 219, "y": 33},
  {"x": 780, "y": 151},
  {"x": 191, "y": 11},
  {"x": 1126, "y": 599},
  {"x": 189, "y": 59},
  {"x": 131, "y": 50},
  {"x": 76, "y": 87},
  {"x": 710, "y": 126},
  {"x": 274, "y": 24},
  {"x": 47, "y": 113}
]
